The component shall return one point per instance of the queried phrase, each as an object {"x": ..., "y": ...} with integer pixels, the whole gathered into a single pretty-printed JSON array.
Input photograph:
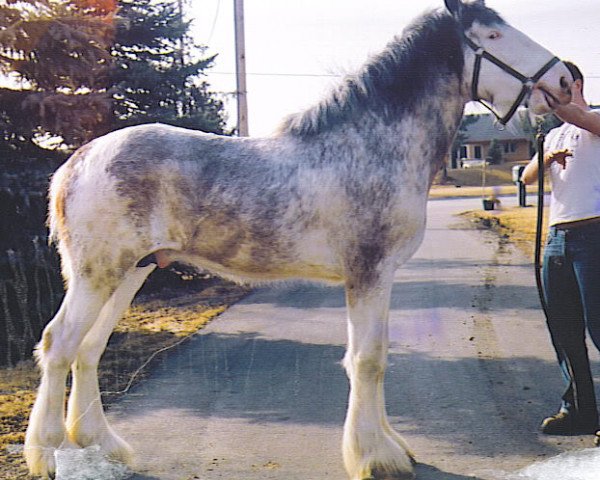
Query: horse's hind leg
[
  {"x": 56, "y": 352},
  {"x": 86, "y": 423},
  {"x": 371, "y": 448}
]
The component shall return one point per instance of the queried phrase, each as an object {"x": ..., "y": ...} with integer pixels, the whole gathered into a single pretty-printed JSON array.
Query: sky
[{"x": 296, "y": 50}]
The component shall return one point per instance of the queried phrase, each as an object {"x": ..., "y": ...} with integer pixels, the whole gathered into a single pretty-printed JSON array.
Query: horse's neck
[
  {"x": 421, "y": 133},
  {"x": 430, "y": 126}
]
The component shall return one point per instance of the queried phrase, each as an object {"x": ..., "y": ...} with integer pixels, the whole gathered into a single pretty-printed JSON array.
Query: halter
[{"x": 528, "y": 82}]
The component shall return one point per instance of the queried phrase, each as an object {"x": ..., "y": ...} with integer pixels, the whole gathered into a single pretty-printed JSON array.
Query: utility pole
[
  {"x": 240, "y": 68},
  {"x": 180, "y": 57}
]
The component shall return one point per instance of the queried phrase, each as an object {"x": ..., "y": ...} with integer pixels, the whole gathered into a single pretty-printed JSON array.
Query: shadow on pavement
[
  {"x": 406, "y": 295},
  {"x": 476, "y": 404},
  {"x": 428, "y": 472},
  {"x": 423, "y": 472}
]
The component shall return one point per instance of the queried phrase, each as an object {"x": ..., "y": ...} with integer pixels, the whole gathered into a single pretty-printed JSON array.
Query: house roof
[{"x": 484, "y": 129}]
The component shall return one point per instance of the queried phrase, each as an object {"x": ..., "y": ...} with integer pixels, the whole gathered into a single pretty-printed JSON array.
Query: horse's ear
[{"x": 454, "y": 7}]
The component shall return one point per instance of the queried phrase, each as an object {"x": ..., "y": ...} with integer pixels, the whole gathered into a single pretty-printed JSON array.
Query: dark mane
[
  {"x": 478, "y": 11},
  {"x": 393, "y": 81}
]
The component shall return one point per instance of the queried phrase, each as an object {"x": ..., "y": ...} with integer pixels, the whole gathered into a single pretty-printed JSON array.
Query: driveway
[{"x": 261, "y": 394}]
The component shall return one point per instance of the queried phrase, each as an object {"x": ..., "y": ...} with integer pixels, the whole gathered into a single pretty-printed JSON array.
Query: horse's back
[{"x": 228, "y": 204}]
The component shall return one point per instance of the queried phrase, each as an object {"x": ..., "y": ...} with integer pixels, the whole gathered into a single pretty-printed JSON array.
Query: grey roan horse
[{"x": 338, "y": 195}]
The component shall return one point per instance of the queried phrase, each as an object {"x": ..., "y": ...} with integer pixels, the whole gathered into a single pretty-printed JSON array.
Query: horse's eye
[{"x": 494, "y": 35}]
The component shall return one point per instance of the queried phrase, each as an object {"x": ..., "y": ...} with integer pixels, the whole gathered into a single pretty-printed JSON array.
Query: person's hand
[
  {"x": 569, "y": 113},
  {"x": 558, "y": 156}
]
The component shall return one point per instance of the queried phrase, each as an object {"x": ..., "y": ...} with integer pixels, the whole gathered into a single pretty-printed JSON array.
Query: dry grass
[
  {"x": 494, "y": 175},
  {"x": 17, "y": 393},
  {"x": 452, "y": 191},
  {"x": 473, "y": 177},
  {"x": 468, "y": 182},
  {"x": 516, "y": 224},
  {"x": 152, "y": 325}
]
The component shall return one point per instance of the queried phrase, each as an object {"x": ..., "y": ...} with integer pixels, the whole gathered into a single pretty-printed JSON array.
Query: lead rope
[{"x": 540, "y": 137}]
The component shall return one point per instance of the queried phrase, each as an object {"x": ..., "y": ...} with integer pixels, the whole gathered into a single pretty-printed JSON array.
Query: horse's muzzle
[{"x": 544, "y": 98}]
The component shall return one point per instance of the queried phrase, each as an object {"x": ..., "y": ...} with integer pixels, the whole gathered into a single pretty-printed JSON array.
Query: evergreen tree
[
  {"x": 155, "y": 76},
  {"x": 80, "y": 68},
  {"x": 494, "y": 155},
  {"x": 57, "y": 56}
]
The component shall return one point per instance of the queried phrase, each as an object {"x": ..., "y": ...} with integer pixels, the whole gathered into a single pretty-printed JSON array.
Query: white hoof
[
  {"x": 401, "y": 442},
  {"x": 116, "y": 448},
  {"x": 40, "y": 459},
  {"x": 381, "y": 459},
  {"x": 111, "y": 445}
]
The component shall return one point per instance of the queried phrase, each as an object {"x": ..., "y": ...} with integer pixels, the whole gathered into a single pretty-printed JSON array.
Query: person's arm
[
  {"x": 530, "y": 174},
  {"x": 575, "y": 115},
  {"x": 580, "y": 117}
]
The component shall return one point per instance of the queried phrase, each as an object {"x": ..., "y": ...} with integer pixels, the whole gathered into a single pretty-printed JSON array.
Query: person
[{"x": 571, "y": 265}]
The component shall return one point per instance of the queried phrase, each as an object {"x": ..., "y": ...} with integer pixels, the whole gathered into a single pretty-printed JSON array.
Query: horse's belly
[
  {"x": 243, "y": 269},
  {"x": 243, "y": 256}
]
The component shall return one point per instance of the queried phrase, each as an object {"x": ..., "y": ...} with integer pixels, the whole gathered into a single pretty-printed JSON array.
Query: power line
[
  {"x": 274, "y": 74},
  {"x": 214, "y": 23},
  {"x": 325, "y": 75}
]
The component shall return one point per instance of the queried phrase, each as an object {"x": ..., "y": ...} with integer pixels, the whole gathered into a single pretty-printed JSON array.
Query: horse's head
[{"x": 504, "y": 67}]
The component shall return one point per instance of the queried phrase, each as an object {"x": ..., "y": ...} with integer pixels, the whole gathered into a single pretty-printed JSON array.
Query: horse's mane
[{"x": 397, "y": 78}]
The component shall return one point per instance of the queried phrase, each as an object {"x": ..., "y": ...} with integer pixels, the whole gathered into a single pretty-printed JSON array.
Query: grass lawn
[
  {"x": 469, "y": 182},
  {"x": 152, "y": 325},
  {"x": 515, "y": 224}
]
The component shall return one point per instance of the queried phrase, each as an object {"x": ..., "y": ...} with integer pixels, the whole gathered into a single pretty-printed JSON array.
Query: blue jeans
[{"x": 571, "y": 280}]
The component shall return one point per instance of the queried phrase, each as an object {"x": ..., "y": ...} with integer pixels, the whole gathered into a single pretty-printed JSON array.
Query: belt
[{"x": 577, "y": 223}]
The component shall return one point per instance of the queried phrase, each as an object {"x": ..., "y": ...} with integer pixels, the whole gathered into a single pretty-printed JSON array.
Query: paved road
[{"x": 261, "y": 393}]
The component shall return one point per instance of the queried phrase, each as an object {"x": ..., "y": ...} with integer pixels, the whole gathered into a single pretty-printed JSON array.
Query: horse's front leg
[{"x": 372, "y": 450}]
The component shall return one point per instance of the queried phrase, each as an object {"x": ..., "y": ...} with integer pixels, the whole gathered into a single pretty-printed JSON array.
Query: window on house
[
  {"x": 510, "y": 147},
  {"x": 477, "y": 151},
  {"x": 463, "y": 152}
]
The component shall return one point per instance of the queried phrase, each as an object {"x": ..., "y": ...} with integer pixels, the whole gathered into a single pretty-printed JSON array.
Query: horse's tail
[
  {"x": 58, "y": 232},
  {"x": 56, "y": 206},
  {"x": 58, "y": 198}
]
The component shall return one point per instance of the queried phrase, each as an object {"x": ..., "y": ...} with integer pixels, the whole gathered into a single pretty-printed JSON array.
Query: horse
[{"x": 337, "y": 194}]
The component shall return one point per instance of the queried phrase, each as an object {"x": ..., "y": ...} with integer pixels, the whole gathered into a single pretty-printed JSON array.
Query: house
[{"x": 476, "y": 135}]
